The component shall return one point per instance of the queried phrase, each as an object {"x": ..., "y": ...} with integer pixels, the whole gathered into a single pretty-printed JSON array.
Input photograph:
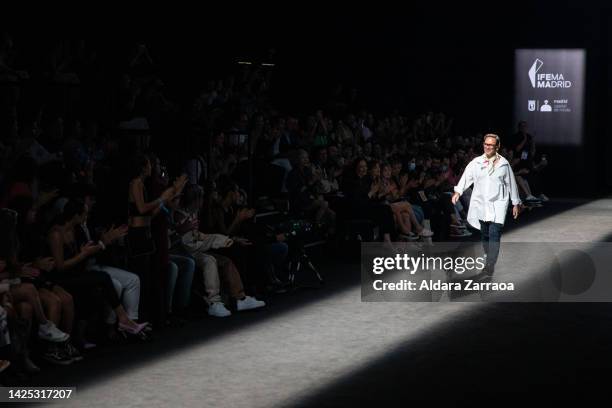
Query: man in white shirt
[{"x": 494, "y": 187}]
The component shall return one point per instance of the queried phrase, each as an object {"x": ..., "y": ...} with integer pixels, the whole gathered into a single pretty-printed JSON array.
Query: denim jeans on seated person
[{"x": 180, "y": 277}]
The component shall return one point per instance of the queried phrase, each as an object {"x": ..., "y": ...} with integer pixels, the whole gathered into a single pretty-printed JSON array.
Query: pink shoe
[{"x": 136, "y": 329}]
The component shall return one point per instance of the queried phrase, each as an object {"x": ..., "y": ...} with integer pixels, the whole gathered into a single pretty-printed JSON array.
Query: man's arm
[
  {"x": 514, "y": 192},
  {"x": 466, "y": 180}
]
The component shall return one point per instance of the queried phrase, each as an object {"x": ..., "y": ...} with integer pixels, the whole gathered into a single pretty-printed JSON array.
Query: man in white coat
[{"x": 494, "y": 187}]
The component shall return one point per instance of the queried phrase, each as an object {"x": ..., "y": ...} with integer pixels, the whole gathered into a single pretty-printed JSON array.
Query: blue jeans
[
  {"x": 180, "y": 277},
  {"x": 490, "y": 236},
  {"x": 419, "y": 214}
]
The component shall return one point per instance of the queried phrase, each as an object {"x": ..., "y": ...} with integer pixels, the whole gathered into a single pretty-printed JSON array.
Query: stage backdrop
[{"x": 549, "y": 94}]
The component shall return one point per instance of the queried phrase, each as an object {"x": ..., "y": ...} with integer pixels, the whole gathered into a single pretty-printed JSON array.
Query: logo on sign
[
  {"x": 546, "y": 79},
  {"x": 537, "y": 64},
  {"x": 531, "y": 105}
]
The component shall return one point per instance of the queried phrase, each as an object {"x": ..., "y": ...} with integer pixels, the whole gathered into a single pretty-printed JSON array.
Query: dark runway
[{"x": 319, "y": 348}]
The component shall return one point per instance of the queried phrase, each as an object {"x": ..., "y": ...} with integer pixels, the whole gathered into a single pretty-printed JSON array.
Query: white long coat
[{"x": 491, "y": 193}]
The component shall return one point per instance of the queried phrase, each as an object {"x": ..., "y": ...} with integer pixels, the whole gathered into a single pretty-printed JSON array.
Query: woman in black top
[
  {"x": 141, "y": 245},
  {"x": 90, "y": 289},
  {"x": 361, "y": 196}
]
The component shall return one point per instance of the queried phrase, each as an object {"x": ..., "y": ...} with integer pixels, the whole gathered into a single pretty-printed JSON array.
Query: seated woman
[
  {"x": 403, "y": 214},
  {"x": 15, "y": 328},
  {"x": 362, "y": 199},
  {"x": 91, "y": 289},
  {"x": 57, "y": 303},
  {"x": 18, "y": 315},
  {"x": 198, "y": 245},
  {"x": 126, "y": 284},
  {"x": 12, "y": 272}
]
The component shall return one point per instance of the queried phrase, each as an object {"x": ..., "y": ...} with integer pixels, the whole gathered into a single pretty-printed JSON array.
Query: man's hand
[
  {"x": 455, "y": 198},
  {"x": 516, "y": 210}
]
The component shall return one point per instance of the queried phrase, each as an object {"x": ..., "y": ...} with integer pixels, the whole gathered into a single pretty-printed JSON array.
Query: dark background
[{"x": 414, "y": 59}]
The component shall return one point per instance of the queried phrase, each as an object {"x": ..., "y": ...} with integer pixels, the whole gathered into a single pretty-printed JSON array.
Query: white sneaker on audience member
[
  {"x": 218, "y": 309},
  {"x": 49, "y": 332},
  {"x": 544, "y": 198},
  {"x": 426, "y": 232},
  {"x": 411, "y": 236},
  {"x": 248, "y": 303}
]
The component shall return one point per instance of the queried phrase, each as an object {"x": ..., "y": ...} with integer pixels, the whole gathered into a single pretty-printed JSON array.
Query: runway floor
[{"x": 324, "y": 347}]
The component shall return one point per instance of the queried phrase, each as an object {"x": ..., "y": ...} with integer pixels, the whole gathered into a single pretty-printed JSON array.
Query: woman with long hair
[
  {"x": 362, "y": 199},
  {"x": 403, "y": 214},
  {"x": 56, "y": 301},
  {"x": 25, "y": 293},
  {"x": 174, "y": 271},
  {"x": 141, "y": 244},
  {"x": 91, "y": 289}
]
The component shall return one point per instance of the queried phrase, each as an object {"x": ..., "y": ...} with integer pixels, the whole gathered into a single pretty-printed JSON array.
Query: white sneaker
[
  {"x": 426, "y": 232},
  {"x": 248, "y": 303},
  {"x": 408, "y": 237},
  {"x": 218, "y": 309},
  {"x": 49, "y": 332},
  {"x": 544, "y": 198},
  {"x": 531, "y": 198}
]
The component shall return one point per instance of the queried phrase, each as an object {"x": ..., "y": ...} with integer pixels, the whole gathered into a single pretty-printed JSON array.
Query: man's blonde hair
[{"x": 493, "y": 135}]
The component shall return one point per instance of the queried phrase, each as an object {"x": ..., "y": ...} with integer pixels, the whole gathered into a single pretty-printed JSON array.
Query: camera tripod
[{"x": 296, "y": 263}]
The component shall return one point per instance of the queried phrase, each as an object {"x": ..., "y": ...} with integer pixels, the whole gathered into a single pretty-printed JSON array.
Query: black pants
[
  {"x": 141, "y": 251},
  {"x": 91, "y": 290}
]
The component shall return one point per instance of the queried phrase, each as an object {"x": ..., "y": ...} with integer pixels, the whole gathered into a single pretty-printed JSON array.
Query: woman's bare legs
[
  {"x": 26, "y": 292},
  {"x": 67, "y": 309}
]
